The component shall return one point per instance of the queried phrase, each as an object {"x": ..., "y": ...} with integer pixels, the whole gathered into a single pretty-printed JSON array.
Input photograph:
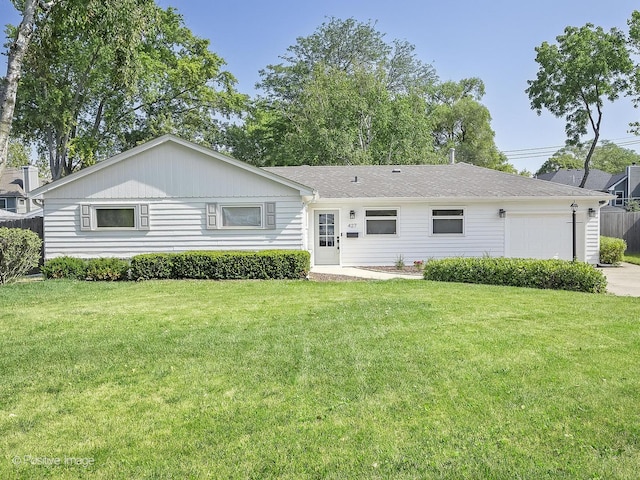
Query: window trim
[
  {"x": 3, "y": 207},
  {"x": 433, "y": 218},
  {"x": 96, "y": 208},
  {"x": 222, "y": 226},
  {"x": 89, "y": 217},
  {"x": 619, "y": 200},
  {"x": 395, "y": 217}
]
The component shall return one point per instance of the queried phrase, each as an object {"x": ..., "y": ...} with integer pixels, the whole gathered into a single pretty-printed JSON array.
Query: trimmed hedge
[
  {"x": 65, "y": 267},
  {"x": 612, "y": 250},
  {"x": 518, "y": 272},
  {"x": 19, "y": 253},
  {"x": 222, "y": 265},
  {"x": 111, "y": 269}
]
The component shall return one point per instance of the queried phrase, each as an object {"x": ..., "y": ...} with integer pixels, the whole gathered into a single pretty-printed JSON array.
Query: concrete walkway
[
  {"x": 360, "y": 273},
  {"x": 622, "y": 280}
]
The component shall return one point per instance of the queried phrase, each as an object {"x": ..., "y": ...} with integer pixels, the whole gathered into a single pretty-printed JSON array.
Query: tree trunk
[
  {"x": 595, "y": 126},
  {"x": 587, "y": 161},
  {"x": 9, "y": 88}
]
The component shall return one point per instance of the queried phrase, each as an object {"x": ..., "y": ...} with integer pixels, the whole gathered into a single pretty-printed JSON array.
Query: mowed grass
[
  {"x": 297, "y": 380},
  {"x": 632, "y": 258}
]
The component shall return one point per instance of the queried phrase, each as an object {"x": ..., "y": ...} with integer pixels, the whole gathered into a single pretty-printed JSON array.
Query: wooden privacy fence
[
  {"x": 625, "y": 225},
  {"x": 35, "y": 224}
]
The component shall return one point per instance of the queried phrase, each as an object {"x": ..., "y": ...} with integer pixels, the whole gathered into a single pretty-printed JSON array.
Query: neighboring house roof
[
  {"x": 11, "y": 183},
  {"x": 303, "y": 189},
  {"x": 597, "y": 179},
  {"x": 8, "y": 216},
  {"x": 459, "y": 180},
  {"x": 5, "y": 215}
]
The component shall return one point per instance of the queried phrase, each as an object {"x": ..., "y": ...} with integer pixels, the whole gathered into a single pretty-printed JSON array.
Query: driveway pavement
[{"x": 623, "y": 280}]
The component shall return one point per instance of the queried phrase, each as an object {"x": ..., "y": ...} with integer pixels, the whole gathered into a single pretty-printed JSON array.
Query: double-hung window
[
  {"x": 381, "y": 221},
  {"x": 447, "y": 221}
]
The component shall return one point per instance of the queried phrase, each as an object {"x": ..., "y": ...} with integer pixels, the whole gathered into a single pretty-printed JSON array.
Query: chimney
[
  {"x": 30, "y": 181},
  {"x": 452, "y": 156}
]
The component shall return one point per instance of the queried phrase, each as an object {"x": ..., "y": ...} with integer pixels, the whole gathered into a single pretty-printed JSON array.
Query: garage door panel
[{"x": 541, "y": 236}]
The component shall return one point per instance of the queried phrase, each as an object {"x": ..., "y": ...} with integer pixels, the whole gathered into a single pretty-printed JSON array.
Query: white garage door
[{"x": 542, "y": 236}]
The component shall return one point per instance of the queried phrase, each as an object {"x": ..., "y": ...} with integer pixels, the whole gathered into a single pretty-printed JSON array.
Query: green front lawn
[
  {"x": 294, "y": 379},
  {"x": 632, "y": 258}
]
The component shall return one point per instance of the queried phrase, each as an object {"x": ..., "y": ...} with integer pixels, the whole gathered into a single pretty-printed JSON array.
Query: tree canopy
[
  {"x": 460, "y": 121},
  {"x": 102, "y": 76},
  {"x": 586, "y": 67},
  {"x": 344, "y": 95}
]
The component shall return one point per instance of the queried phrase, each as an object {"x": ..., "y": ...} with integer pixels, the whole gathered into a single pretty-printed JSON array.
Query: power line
[{"x": 539, "y": 152}]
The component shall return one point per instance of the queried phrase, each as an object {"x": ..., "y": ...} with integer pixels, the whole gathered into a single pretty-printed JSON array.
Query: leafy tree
[
  {"x": 586, "y": 67},
  {"x": 607, "y": 157},
  {"x": 102, "y": 76},
  {"x": 20, "y": 38},
  {"x": 17, "y": 155},
  {"x": 341, "y": 95},
  {"x": 460, "y": 121}
]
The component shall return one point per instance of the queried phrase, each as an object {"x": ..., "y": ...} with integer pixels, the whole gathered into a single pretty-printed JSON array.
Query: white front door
[{"x": 327, "y": 237}]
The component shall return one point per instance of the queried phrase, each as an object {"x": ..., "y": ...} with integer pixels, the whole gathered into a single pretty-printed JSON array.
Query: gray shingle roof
[
  {"x": 597, "y": 179},
  {"x": 11, "y": 183},
  {"x": 460, "y": 180}
]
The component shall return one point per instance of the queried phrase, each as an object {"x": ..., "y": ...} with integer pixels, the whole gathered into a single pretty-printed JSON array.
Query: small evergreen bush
[
  {"x": 19, "y": 253},
  {"x": 65, "y": 267},
  {"x": 612, "y": 250},
  {"x": 110, "y": 269},
  {"x": 518, "y": 272}
]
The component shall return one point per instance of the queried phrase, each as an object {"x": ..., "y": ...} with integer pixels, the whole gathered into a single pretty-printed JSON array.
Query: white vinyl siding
[
  {"x": 484, "y": 235},
  {"x": 170, "y": 171},
  {"x": 177, "y": 225}
]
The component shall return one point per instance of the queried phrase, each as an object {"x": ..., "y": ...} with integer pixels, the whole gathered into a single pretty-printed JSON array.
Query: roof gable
[
  {"x": 169, "y": 167},
  {"x": 459, "y": 180}
]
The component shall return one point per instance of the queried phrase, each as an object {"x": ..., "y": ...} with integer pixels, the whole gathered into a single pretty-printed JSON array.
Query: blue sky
[{"x": 492, "y": 39}]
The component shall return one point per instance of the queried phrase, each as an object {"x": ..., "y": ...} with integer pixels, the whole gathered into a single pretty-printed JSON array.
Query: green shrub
[
  {"x": 65, "y": 267},
  {"x": 111, "y": 269},
  {"x": 152, "y": 265},
  {"x": 518, "y": 272},
  {"x": 19, "y": 253},
  {"x": 612, "y": 250},
  {"x": 222, "y": 265}
]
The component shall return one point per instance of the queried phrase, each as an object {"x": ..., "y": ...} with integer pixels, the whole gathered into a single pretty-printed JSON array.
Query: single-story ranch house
[{"x": 170, "y": 195}]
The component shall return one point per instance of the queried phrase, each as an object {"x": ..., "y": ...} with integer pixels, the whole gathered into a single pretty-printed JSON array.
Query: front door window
[{"x": 326, "y": 230}]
